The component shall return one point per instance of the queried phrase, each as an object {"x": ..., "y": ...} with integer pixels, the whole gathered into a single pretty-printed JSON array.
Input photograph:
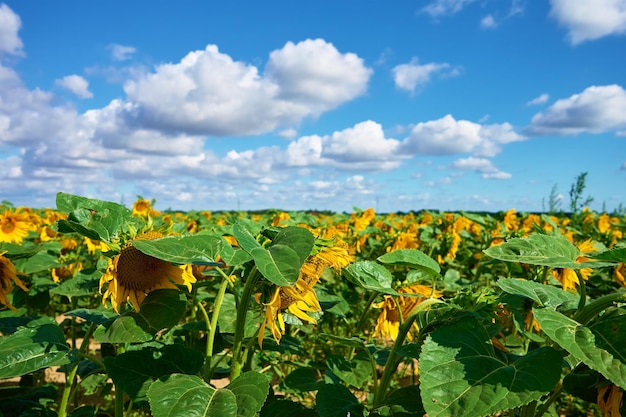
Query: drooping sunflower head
[
  {"x": 132, "y": 274},
  {"x": 8, "y": 276}
]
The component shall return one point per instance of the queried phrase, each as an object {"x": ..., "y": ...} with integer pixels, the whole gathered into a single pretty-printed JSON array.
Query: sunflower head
[
  {"x": 132, "y": 274},
  {"x": 8, "y": 277}
]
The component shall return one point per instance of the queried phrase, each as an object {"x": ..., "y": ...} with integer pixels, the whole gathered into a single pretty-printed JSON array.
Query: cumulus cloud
[
  {"x": 543, "y": 98},
  {"x": 209, "y": 93},
  {"x": 588, "y": 20},
  {"x": 121, "y": 52},
  {"x": 597, "y": 109},
  {"x": 10, "y": 24},
  {"x": 447, "y": 136},
  {"x": 484, "y": 166},
  {"x": 409, "y": 76},
  {"x": 75, "y": 84}
]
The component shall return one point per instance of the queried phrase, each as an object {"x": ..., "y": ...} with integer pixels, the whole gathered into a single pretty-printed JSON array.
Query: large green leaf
[
  {"x": 280, "y": 264},
  {"x": 85, "y": 282},
  {"x": 537, "y": 249},
  {"x": 244, "y": 238},
  {"x": 135, "y": 370},
  {"x": 461, "y": 374},
  {"x": 544, "y": 295},
  {"x": 189, "y": 396},
  {"x": 602, "y": 354},
  {"x": 371, "y": 276},
  {"x": 412, "y": 258},
  {"x": 250, "y": 389},
  {"x": 40, "y": 344},
  {"x": 297, "y": 238},
  {"x": 200, "y": 248},
  {"x": 186, "y": 395},
  {"x": 161, "y": 309},
  {"x": 96, "y": 219},
  {"x": 337, "y": 401},
  {"x": 41, "y": 261},
  {"x": 302, "y": 380},
  {"x": 616, "y": 254}
]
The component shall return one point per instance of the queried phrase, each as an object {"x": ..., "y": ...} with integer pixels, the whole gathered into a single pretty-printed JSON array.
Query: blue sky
[{"x": 405, "y": 105}]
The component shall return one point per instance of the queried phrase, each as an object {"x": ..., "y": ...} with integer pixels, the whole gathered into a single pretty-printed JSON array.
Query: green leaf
[
  {"x": 356, "y": 372},
  {"x": 461, "y": 374},
  {"x": 92, "y": 316},
  {"x": 544, "y": 295},
  {"x": 199, "y": 248},
  {"x": 41, "y": 261},
  {"x": 187, "y": 395},
  {"x": 161, "y": 309},
  {"x": 96, "y": 219},
  {"x": 280, "y": 264},
  {"x": 371, "y": 276},
  {"x": 302, "y": 380},
  {"x": 40, "y": 344},
  {"x": 85, "y": 282},
  {"x": 300, "y": 240},
  {"x": 412, "y": 258},
  {"x": 616, "y": 254},
  {"x": 245, "y": 240},
  {"x": 286, "y": 408},
  {"x": 545, "y": 250},
  {"x": 580, "y": 341},
  {"x": 353, "y": 342},
  {"x": 124, "y": 329},
  {"x": 337, "y": 401},
  {"x": 403, "y": 402},
  {"x": 133, "y": 371},
  {"x": 250, "y": 389}
]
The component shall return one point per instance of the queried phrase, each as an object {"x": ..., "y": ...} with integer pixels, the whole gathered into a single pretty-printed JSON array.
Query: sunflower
[
  {"x": 132, "y": 274},
  {"x": 300, "y": 299},
  {"x": 610, "y": 400},
  {"x": 8, "y": 273},
  {"x": 388, "y": 323},
  {"x": 568, "y": 277},
  {"x": 14, "y": 226}
]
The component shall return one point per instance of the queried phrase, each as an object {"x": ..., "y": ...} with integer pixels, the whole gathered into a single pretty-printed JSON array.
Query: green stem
[
  {"x": 595, "y": 307},
  {"x": 582, "y": 292},
  {"x": 555, "y": 394},
  {"x": 240, "y": 325},
  {"x": 392, "y": 361},
  {"x": 368, "y": 307},
  {"x": 119, "y": 393},
  {"x": 528, "y": 410},
  {"x": 71, "y": 376},
  {"x": 212, "y": 325}
]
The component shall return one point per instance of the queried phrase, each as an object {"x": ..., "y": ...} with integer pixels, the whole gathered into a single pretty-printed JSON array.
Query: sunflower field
[{"x": 111, "y": 311}]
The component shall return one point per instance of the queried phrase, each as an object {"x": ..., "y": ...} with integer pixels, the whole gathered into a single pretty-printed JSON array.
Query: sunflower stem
[
  {"x": 212, "y": 326},
  {"x": 392, "y": 361},
  {"x": 242, "y": 311},
  {"x": 71, "y": 376}
]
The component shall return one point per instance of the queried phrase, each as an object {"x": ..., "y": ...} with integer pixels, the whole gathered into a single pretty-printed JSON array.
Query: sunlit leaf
[
  {"x": 371, "y": 276},
  {"x": 544, "y": 295},
  {"x": 412, "y": 258},
  {"x": 183, "y": 250},
  {"x": 40, "y": 344},
  {"x": 462, "y": 375},
  {"x": 598, "y": 349}
]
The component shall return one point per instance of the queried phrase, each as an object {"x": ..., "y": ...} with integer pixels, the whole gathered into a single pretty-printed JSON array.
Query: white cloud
[
  {"x": 597, "y": 109},
  {"x": 543, "y": 98},
  {"x": 484, "y": 166},
  {"x": 75, "y": 84},
  {"x": 588, "y": 20},
  {"x": 621, "y": 133},
  {"x": 488, "y": 22},
  {"x": 288, "y": 134},
  {"x": 445, "y": 7},
  {"x": 409, "y": 76},
  {"x": 209, "y": 93},
  {"x": 10, "y": 24},
  {"x": 447, "y": 136},
  {"x": 121, "y": 52}
]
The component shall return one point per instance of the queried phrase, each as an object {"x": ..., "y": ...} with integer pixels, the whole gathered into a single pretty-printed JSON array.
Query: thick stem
[
  {"x": 553, "y": 397},
  {"x": 71, "y": 376},
  {"x": 242, "y": 311},
  {"x": 212, "y": 325}
]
